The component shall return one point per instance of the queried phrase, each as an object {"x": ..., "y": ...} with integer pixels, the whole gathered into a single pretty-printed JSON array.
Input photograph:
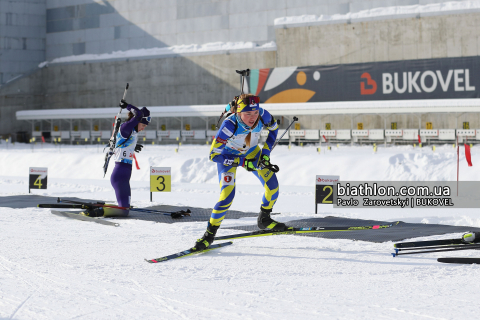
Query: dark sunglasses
[{"x": 251, "y": 100}]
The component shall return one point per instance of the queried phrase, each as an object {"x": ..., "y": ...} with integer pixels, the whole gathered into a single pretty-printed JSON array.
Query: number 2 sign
[{"x": 324, "y": 189}]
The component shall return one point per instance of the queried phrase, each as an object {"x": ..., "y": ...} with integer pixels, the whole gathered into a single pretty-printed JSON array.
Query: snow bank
[
  {"x": 191, "y": 49},
  {"x": 298, "y": 165},
  {"x": 382, "y": 13}
]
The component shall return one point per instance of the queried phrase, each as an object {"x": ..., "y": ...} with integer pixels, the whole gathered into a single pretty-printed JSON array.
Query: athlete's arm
[
  {"x": 272, "y": 127},
  {"x": 127, "y": 127},
  {"x": 225, "y": 132}
]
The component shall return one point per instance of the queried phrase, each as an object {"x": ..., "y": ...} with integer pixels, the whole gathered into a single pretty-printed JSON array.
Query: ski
[
  {"x": 428, "y": 243},
  {"x": 291, "y": 230},
  {"x": 460, "y": 260},
  {"x": 455, "y": 248},
  {"x": 89, "y": 205},
  {"x": 78, "y": 216},
  {"x": 188, "y": 252},
  {"x": 62, "y": 206}
]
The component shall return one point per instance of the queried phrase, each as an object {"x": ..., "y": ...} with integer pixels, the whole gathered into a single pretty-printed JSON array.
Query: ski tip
[{"x": 224, "y": 244}]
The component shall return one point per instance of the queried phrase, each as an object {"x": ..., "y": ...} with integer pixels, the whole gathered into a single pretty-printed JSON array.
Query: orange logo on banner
[
  {"x": 227, "y": 179},
  {"x": 370, "y": 82}
]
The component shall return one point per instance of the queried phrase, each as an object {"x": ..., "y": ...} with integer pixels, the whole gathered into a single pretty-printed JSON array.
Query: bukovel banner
[{"x": 447, "y": 78}]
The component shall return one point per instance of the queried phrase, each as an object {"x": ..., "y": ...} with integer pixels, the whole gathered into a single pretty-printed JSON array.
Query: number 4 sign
[
  {"x": 160, "y": 180},
  {"x": 324, "y": 189},
  {"x": 37, "y": 178}
]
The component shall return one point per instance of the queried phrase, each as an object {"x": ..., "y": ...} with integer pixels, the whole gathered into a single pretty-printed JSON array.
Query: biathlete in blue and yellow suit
[{"x": 235, "y": 145}]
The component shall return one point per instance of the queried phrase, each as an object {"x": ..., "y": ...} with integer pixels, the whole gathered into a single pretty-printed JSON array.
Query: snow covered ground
[{"x": 56, "y": 268}]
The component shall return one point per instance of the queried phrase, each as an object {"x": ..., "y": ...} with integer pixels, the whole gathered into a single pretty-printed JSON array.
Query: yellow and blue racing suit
[{"x": 229, "y": 150}]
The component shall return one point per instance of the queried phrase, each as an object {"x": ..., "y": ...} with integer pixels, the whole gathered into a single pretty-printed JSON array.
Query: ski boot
[
  {"x": 471, "y": 237},
  {"x": 94, "y": 212},
  {"x": 207, "y": 239},
  {"x": 266, "y": 222}
]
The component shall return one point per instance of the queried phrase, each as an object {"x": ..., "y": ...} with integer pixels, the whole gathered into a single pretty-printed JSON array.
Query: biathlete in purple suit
[{"x": 126, "y": 145}]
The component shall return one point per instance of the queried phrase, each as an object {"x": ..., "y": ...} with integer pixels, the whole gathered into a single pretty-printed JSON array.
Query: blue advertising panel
[{"x": 447, "y": 78}]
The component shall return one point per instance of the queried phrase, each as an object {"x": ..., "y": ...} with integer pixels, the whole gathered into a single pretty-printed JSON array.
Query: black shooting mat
[
  {"x": 398, "y": 232},
  {"x": 197, "y": 214}
]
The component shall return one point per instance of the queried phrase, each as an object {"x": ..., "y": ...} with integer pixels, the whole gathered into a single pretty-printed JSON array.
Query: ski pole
[
  {"x": 428, "y": 243},
  {"x": 469, "y": 247},
  {"x": 435, "y": 247},
  {"x": 274, "y": 167},
  {"x": 187, "y": 212},
  {"x": 276, "y": 142}
]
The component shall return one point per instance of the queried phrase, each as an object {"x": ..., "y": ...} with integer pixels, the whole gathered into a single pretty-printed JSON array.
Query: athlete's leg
[
  {"x": 120, "y": 180},
  {"x": 226, "y": 177},
  {"x": 269, "y": 181}
]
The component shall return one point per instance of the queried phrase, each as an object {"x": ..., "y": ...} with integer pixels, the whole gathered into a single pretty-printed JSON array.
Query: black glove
[
  {"x": 266, "y": 164},
  {"x": 138, "y": 148},
  {"x": 180, "y": 214},
  {"x": 123, "y": 104}
]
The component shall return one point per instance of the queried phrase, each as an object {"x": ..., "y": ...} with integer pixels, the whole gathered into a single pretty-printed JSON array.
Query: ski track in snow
[{"x": 57, "y": 268}]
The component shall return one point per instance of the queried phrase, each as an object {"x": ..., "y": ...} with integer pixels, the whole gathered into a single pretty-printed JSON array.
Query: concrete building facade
[
  {"x": 85, "y": 26},
  {"x": 22, "y": 37},
  {"x": 75, "y": 27}
]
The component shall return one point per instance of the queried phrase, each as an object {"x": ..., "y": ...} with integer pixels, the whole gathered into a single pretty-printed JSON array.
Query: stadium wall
[
  {"x": 210, "y": 79},
  {"x": 382, "y": 40},
  {"x": 180, "y": 80}
]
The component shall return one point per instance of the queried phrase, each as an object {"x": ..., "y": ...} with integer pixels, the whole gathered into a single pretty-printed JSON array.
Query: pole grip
[{"x": 125, "y": 92}]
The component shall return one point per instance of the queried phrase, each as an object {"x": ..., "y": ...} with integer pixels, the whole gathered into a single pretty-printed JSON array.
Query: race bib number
[
  {"x": 228, "y": 162},
  {"x": 228, "y": 179}
]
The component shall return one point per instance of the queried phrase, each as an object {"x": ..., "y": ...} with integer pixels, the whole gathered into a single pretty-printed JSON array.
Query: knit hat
[{"x": 146, "y": 116}]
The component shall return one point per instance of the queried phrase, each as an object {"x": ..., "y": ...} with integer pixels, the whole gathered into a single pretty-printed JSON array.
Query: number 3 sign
[{"x": 160, "y": 180}]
